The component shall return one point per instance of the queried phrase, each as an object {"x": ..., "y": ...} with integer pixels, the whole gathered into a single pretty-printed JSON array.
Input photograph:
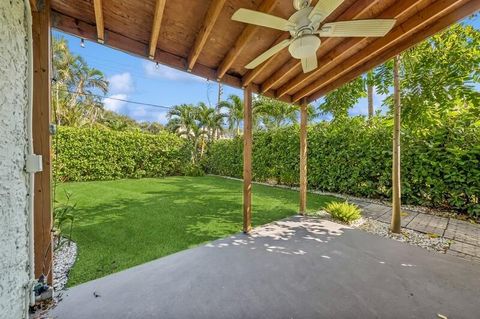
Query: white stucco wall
[{"x": 13, "y": 148}]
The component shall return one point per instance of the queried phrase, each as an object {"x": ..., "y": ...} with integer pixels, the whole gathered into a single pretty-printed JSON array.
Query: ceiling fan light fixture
[{"x": 304, "y": 46}]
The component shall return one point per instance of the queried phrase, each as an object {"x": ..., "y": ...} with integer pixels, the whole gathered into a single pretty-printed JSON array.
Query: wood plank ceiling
[{"x": 198, "y": 36}]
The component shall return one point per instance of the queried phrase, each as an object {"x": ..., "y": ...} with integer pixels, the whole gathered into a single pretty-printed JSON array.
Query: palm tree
[
  {"x": 75, "y": 100},
  {"x": 210, "y": 121},
  {"x": 181, "y": 119},
  {"x": 234, "y": 114},
  {"x": 272, "y": 113},
  {"x": 185, "y": 121}
]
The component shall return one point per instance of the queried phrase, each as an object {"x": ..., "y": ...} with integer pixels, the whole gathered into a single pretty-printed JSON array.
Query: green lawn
[{"x": 123, "y": 223}]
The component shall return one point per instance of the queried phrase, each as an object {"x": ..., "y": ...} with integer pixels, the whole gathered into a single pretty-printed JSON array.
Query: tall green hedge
[
  {"x": 84, "y": 154},
  {"x": 440, "y": 165}
]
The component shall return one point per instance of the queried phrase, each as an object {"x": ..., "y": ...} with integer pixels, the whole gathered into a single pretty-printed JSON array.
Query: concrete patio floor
[{"x": 294, "y": 268}]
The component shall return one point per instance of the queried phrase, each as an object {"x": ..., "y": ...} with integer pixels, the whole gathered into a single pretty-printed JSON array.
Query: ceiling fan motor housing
[
  {"x": 304, "y": 46},
  {"x": 300, "y": 4}
]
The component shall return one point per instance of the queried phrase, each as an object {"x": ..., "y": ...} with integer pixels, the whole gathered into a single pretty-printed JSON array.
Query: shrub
[
  {"x": 85, "y": 154},
  {"x": 440, "y": 163},
  {"x": 194, "y": 170},
  {"x": 343, "y": 211}
]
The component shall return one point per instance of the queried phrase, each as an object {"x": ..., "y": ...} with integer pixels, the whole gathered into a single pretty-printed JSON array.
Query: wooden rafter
[
  {"x": 97, "y": 5},
  {"x": 127, "y": 32},
  {"x": 330, "y": 59},
  {"x": 467, "y": 9},
  {"x": 157, "y": 22},
  {"x": 356, "y": 11},
  {"x": 267, "y": 6},
  {"x": 399, "y": 33},
  {"x": 116, "y": 40},
  {"x": 202, "y": 37}
]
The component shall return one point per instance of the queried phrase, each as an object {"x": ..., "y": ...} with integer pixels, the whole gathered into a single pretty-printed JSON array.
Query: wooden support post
[
  {"x": 43, "y": 240},
  {"x": 303, "y": 157},
  {"x": 247, "y": 159},
  {"x": 395, "y": 226}
]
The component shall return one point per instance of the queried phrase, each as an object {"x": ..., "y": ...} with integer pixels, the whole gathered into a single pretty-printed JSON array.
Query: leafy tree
[
  {"x": 342, "y": 99},
  {"x": 439, "y": 75}
]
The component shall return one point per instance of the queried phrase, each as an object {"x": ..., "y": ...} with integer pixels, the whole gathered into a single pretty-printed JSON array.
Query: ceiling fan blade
[
  {"x": 357, "y": 28},
  {"x": 309, "y": 64},
  {"x": 323, "y": 9},
  {"x": 262, "y": 19},
  {"x": 267, "y": 54}
]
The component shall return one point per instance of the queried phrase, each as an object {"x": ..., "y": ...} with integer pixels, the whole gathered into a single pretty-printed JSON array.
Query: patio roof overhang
[{"x": 200, "y": 37}]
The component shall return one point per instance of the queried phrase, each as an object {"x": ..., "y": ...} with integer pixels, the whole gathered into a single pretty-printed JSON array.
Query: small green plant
[
  {"x": 63, "y": 218},
  {"x": 343, "y": 211}
]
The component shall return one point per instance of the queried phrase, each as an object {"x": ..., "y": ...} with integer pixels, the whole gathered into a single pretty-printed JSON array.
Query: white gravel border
[
  {"x": 429, "y": 242},
  {"x": 63, "y": 260},
  {"x": 412, "y": 237}
]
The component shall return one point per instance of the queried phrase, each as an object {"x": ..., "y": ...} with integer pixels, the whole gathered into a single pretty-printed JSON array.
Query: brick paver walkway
[{"x": 464, "y": 236}]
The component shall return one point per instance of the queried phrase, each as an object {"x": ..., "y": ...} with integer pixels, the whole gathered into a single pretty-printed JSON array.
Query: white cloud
[
  {"x": 138, "y": 112},
  {"x": 114, "y": 104},
  {"x": 122, "y": 87},
  {"x": 165, "y": 72},
  {"x": 161, "y": 117},
  {"x": 121, "y": 83}
]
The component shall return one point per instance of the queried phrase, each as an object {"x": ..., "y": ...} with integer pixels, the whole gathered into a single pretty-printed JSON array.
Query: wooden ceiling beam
[
  {"x": 157, "y": 23},
  {"x": 267, "y": 6},
  {"x": 329, "y": 60},
  {"x": 98, "y": 8},
  {"x": 443, "y": 22},
  {"x": 356, "y": 11},
  {"x": 202, "y": 37},
  {"x": 120, "y": 42},
  {"x": 400, "y": 32}
]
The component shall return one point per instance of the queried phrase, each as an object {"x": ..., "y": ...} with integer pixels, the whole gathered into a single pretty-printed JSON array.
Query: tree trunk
[
  {"x": 370, "y": 100},
  {"x": 396, "y": 181},
  {"x": 202, "y": 148},
  {"x": 216, "y": 133},
  {"x": 303, "y": 157}
]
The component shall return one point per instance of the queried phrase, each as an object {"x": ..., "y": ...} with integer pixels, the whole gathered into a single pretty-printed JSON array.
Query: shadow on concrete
[{"x": 294, "y": 268}]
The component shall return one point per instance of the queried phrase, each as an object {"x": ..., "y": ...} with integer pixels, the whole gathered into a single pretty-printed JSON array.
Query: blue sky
[{"x": 137, "y": 79}]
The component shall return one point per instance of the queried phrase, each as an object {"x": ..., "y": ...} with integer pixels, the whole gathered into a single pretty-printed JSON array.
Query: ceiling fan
[{"x": 306, "y": 28}]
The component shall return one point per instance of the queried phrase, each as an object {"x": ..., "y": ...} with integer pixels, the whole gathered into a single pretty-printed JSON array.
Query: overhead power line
[{"x": 118, "y": 99}]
